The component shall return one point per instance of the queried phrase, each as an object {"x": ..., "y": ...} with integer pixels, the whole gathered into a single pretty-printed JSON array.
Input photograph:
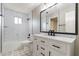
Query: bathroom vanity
[
  {"x": 44, "y": 45},
  {"x": 57, "y": 19}
]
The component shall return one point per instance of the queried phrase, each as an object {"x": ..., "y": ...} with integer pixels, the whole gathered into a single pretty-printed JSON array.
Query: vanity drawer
[
  {"x": 42, "y": 54},
  {"x": 57, "y": 45},
  {"x": 43, "y": 41},
  {"x": 44, "y": 49}
]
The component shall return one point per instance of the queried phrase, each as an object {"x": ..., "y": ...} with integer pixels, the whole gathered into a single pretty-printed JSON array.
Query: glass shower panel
[
  {"x": 13, "y": 33},
  {"x": 0, "y": 34},
  {"x": 0, "y": 30}
]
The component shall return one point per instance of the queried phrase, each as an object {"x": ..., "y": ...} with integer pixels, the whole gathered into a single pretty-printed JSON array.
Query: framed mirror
[{"x": 62, "y": 18}]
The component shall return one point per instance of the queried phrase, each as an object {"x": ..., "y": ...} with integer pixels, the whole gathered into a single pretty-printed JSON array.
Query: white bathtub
[{"x": 16, "y": 47}]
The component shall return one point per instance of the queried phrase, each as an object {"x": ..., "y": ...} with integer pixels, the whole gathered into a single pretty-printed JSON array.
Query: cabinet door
[
  {"x": 55, "y": 53},
  {"x": 35, "y": 47}
]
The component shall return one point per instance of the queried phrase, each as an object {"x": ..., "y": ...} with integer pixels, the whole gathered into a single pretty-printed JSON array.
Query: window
[{"x": 18, "y": 20}]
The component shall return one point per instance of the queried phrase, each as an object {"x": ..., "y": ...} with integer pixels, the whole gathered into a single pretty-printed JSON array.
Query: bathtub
[{"x": 17, "y": 48}]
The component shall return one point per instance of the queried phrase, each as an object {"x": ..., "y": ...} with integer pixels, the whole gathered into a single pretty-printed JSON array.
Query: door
[{"x": 36, "y": 47}]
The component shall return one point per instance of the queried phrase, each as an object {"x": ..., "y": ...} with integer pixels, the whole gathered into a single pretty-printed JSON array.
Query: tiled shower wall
[{"x": 14, "y": 33}]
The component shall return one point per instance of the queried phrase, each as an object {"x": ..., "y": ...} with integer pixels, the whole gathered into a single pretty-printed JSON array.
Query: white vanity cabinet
[
  {"x": 60, "y": 48},
  {"x": 53, "y": 52},
  {"x": 40, "y": 46},
  {"x": 36, "y": 47},
  {"x": 52, "y": 46},
  {"x": 56, "y": 48}
]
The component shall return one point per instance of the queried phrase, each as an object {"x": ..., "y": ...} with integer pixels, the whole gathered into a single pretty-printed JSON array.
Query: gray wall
[{"x": 36, "y": 20}]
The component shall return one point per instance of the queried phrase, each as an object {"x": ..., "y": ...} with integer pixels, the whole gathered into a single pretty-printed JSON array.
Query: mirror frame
[{"x": 76, "y": 21}]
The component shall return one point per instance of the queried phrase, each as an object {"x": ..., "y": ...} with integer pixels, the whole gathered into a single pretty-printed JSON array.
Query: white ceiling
[{"x": 21, "y": 7}]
